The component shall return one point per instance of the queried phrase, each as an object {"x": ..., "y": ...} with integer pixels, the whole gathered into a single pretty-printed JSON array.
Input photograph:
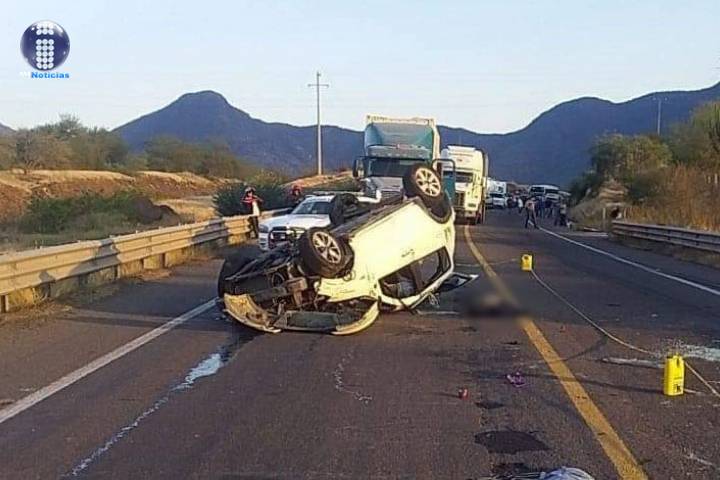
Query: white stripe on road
[
  {"x": 625, "y": 261},
  {"x": 82, "y": 372}
]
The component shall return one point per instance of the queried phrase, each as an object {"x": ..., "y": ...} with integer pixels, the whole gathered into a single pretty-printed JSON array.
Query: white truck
[
  {"x": 496, "y": 193},
  {"x": 470, "y": 173}
]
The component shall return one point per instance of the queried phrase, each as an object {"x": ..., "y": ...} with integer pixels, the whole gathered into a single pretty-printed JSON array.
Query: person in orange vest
[{"x": 251, "y": 202}]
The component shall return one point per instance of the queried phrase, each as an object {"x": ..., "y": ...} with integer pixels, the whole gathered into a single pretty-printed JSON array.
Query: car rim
[
  {"x": 327, "y": 247},
  {"x": 428, "y": 182}
]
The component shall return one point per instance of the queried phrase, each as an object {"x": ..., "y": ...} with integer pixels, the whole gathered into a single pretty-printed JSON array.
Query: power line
[{"x": 317, "y": 86}]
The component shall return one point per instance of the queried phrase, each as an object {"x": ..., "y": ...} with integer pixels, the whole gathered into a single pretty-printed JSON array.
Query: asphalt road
[{"x": 211, "y": 399}]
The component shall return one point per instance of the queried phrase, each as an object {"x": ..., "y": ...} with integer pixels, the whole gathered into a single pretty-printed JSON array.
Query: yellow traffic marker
[
  {"x": 674, "y": 382},
  {"x": 527, "y": 262}
]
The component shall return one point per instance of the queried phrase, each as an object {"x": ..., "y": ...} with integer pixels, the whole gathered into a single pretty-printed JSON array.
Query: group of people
[
  {"x": 251, "y": 202},
  {"x": 536, "y": 207}
]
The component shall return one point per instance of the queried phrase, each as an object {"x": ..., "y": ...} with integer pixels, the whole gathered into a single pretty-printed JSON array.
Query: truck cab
[
  {"x": 391, "y": 147},
  {"x": 468, "y": 167}
]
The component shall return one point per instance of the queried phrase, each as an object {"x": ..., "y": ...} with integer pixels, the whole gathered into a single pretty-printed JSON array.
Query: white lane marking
[
  {"x": 625, "y": 261},
  {"x": 82, "y": 372}
]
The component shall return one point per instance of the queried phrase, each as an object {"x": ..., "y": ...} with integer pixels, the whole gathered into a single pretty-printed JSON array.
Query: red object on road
[{"x": 463, "y": 393}]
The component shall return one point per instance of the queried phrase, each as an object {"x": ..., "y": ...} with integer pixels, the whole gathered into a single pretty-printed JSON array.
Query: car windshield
[
  {"x": 536, "y": 189},
  {"x": 496, "y": 195},
  {"x": 552, "y": 191},
  {"x": 390, "y": 167},
  {"x": 312, "y": 207}
]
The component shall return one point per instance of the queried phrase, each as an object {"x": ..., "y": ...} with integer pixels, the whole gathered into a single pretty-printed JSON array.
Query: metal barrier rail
[
  {"x": 696, "y": 239},
  {"x": 32, "y": 268}
]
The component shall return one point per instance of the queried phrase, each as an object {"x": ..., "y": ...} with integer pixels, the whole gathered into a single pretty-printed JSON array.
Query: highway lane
[
  {"x": 667, "y": 436},
  {"x": 377, "y": 405}
]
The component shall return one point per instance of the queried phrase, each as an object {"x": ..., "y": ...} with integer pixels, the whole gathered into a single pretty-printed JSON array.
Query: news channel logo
[{"x": 45, "y": 46}]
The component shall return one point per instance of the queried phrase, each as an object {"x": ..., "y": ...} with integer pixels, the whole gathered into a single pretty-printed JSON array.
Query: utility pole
[
  {"x": 317, "y": 86},
  {"x": 659, "y": 115}
]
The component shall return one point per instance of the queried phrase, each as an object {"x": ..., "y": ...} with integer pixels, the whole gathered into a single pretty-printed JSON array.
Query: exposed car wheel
[
  {"x": 232, "y": 265},
  {"x": 342, "y": 206},
  {"x": 323, "y": 253},
  {"x": 424, "y": 182}
]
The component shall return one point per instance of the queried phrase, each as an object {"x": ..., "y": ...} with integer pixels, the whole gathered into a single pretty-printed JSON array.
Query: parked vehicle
[
  {"x": 496, "y": 200},
  {"x": 391, "y": 147},
  {"x": 496, "y": 186},
  {"x": 469, "y": 168},
  {"x": 313, "y": 211},
  {"x": 336, "y": 279},
  {"x": 546, "y": 192}
]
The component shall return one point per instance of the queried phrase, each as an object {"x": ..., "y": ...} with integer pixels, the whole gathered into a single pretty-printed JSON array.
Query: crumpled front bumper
[{"x": 243, "y": 309}]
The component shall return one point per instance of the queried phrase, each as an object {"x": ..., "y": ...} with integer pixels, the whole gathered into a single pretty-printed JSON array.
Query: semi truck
[
  {"x": 391, "y": 147},
  {"x": 469, "y": 166}
]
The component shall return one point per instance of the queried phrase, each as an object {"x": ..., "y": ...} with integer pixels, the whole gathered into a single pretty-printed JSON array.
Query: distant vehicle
[
  {"x": 391, "y": 147},
  {"x": 496, "y": 186},
  {"x": 497, "y": 200},
  {"x": 469, "y": 167},
  {"x": 546, "y": 192},
  {"x": 314, "y": 211}
]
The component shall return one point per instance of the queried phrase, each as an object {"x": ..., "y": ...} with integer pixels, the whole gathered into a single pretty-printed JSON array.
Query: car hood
[{"x": 301, "y": 221}]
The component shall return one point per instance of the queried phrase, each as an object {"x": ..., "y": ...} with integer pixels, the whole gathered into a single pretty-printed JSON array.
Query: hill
[
  {"x": 4, "y": 130},
  {"x": 207, "y": 116},
  {"x": 552, "y": 148}
]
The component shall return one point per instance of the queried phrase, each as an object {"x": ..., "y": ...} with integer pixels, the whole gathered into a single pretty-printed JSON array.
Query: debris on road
[
  {"x": 462, "y": 393},
  {"x": 516, "y": 379},
  {"x": 633, "y": 362}
]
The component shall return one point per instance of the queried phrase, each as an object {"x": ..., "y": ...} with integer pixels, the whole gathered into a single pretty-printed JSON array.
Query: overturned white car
[{"x": 337, "y": 279}]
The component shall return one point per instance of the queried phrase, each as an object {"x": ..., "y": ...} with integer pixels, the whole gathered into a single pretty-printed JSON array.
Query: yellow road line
[{"x": 616, "y": 450}]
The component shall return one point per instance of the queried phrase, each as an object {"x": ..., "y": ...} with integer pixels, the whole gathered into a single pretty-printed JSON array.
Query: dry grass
[
  {"x": 690, "y": 197},
  {"x": 193, "y": 209}
]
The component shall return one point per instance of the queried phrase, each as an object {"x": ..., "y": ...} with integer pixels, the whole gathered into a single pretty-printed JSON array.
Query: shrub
[
  {"x": 53, "y": 215},
  {"x": 268, "y": 186}
]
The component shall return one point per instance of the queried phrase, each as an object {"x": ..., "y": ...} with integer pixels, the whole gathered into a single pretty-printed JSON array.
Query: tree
[
  {"x": 619, "y": 157},
  {"x": 7, "y": 151},
  {"x": 35, "y": 149},
  {"x": 697, "y": 142}
]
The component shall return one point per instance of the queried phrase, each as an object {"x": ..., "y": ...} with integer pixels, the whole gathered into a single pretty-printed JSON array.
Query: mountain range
[{"x": 553, "y": 148}]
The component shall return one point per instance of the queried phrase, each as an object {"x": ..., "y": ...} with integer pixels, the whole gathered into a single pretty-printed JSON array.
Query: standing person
[
  {"x": 251, "y": 202},
  {"x": 530, "y": 215},
  {"x": 520, "y": 205},
  {"x": 563, "y": 214},
  {"x": 539, "y": 206},
  {"x": 549, "y": 208},
  {"x": 296, "y": 195}
]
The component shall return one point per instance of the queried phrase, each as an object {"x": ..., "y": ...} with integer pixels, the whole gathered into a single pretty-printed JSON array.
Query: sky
[{"x": 489, "y": 66}]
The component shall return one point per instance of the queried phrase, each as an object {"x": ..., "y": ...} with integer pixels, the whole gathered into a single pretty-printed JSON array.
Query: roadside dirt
[{"x": 18, "y": 187}]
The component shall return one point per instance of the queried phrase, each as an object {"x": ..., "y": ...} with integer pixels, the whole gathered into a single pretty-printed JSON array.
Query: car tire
[
  {"x": 232, "y": 265},
  {"x": 323, "y": 253},
  {"x": 340, "y": 206},
  {"x": 423, "y": 182}
]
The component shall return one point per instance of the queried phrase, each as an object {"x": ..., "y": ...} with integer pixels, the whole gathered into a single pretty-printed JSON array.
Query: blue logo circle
[{"x": 45, "y": 45}]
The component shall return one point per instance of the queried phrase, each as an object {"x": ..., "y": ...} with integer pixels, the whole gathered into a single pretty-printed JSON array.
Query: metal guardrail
[
  {"x": 696, "y": 239},
  {"x": 32, "y": 268}
]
